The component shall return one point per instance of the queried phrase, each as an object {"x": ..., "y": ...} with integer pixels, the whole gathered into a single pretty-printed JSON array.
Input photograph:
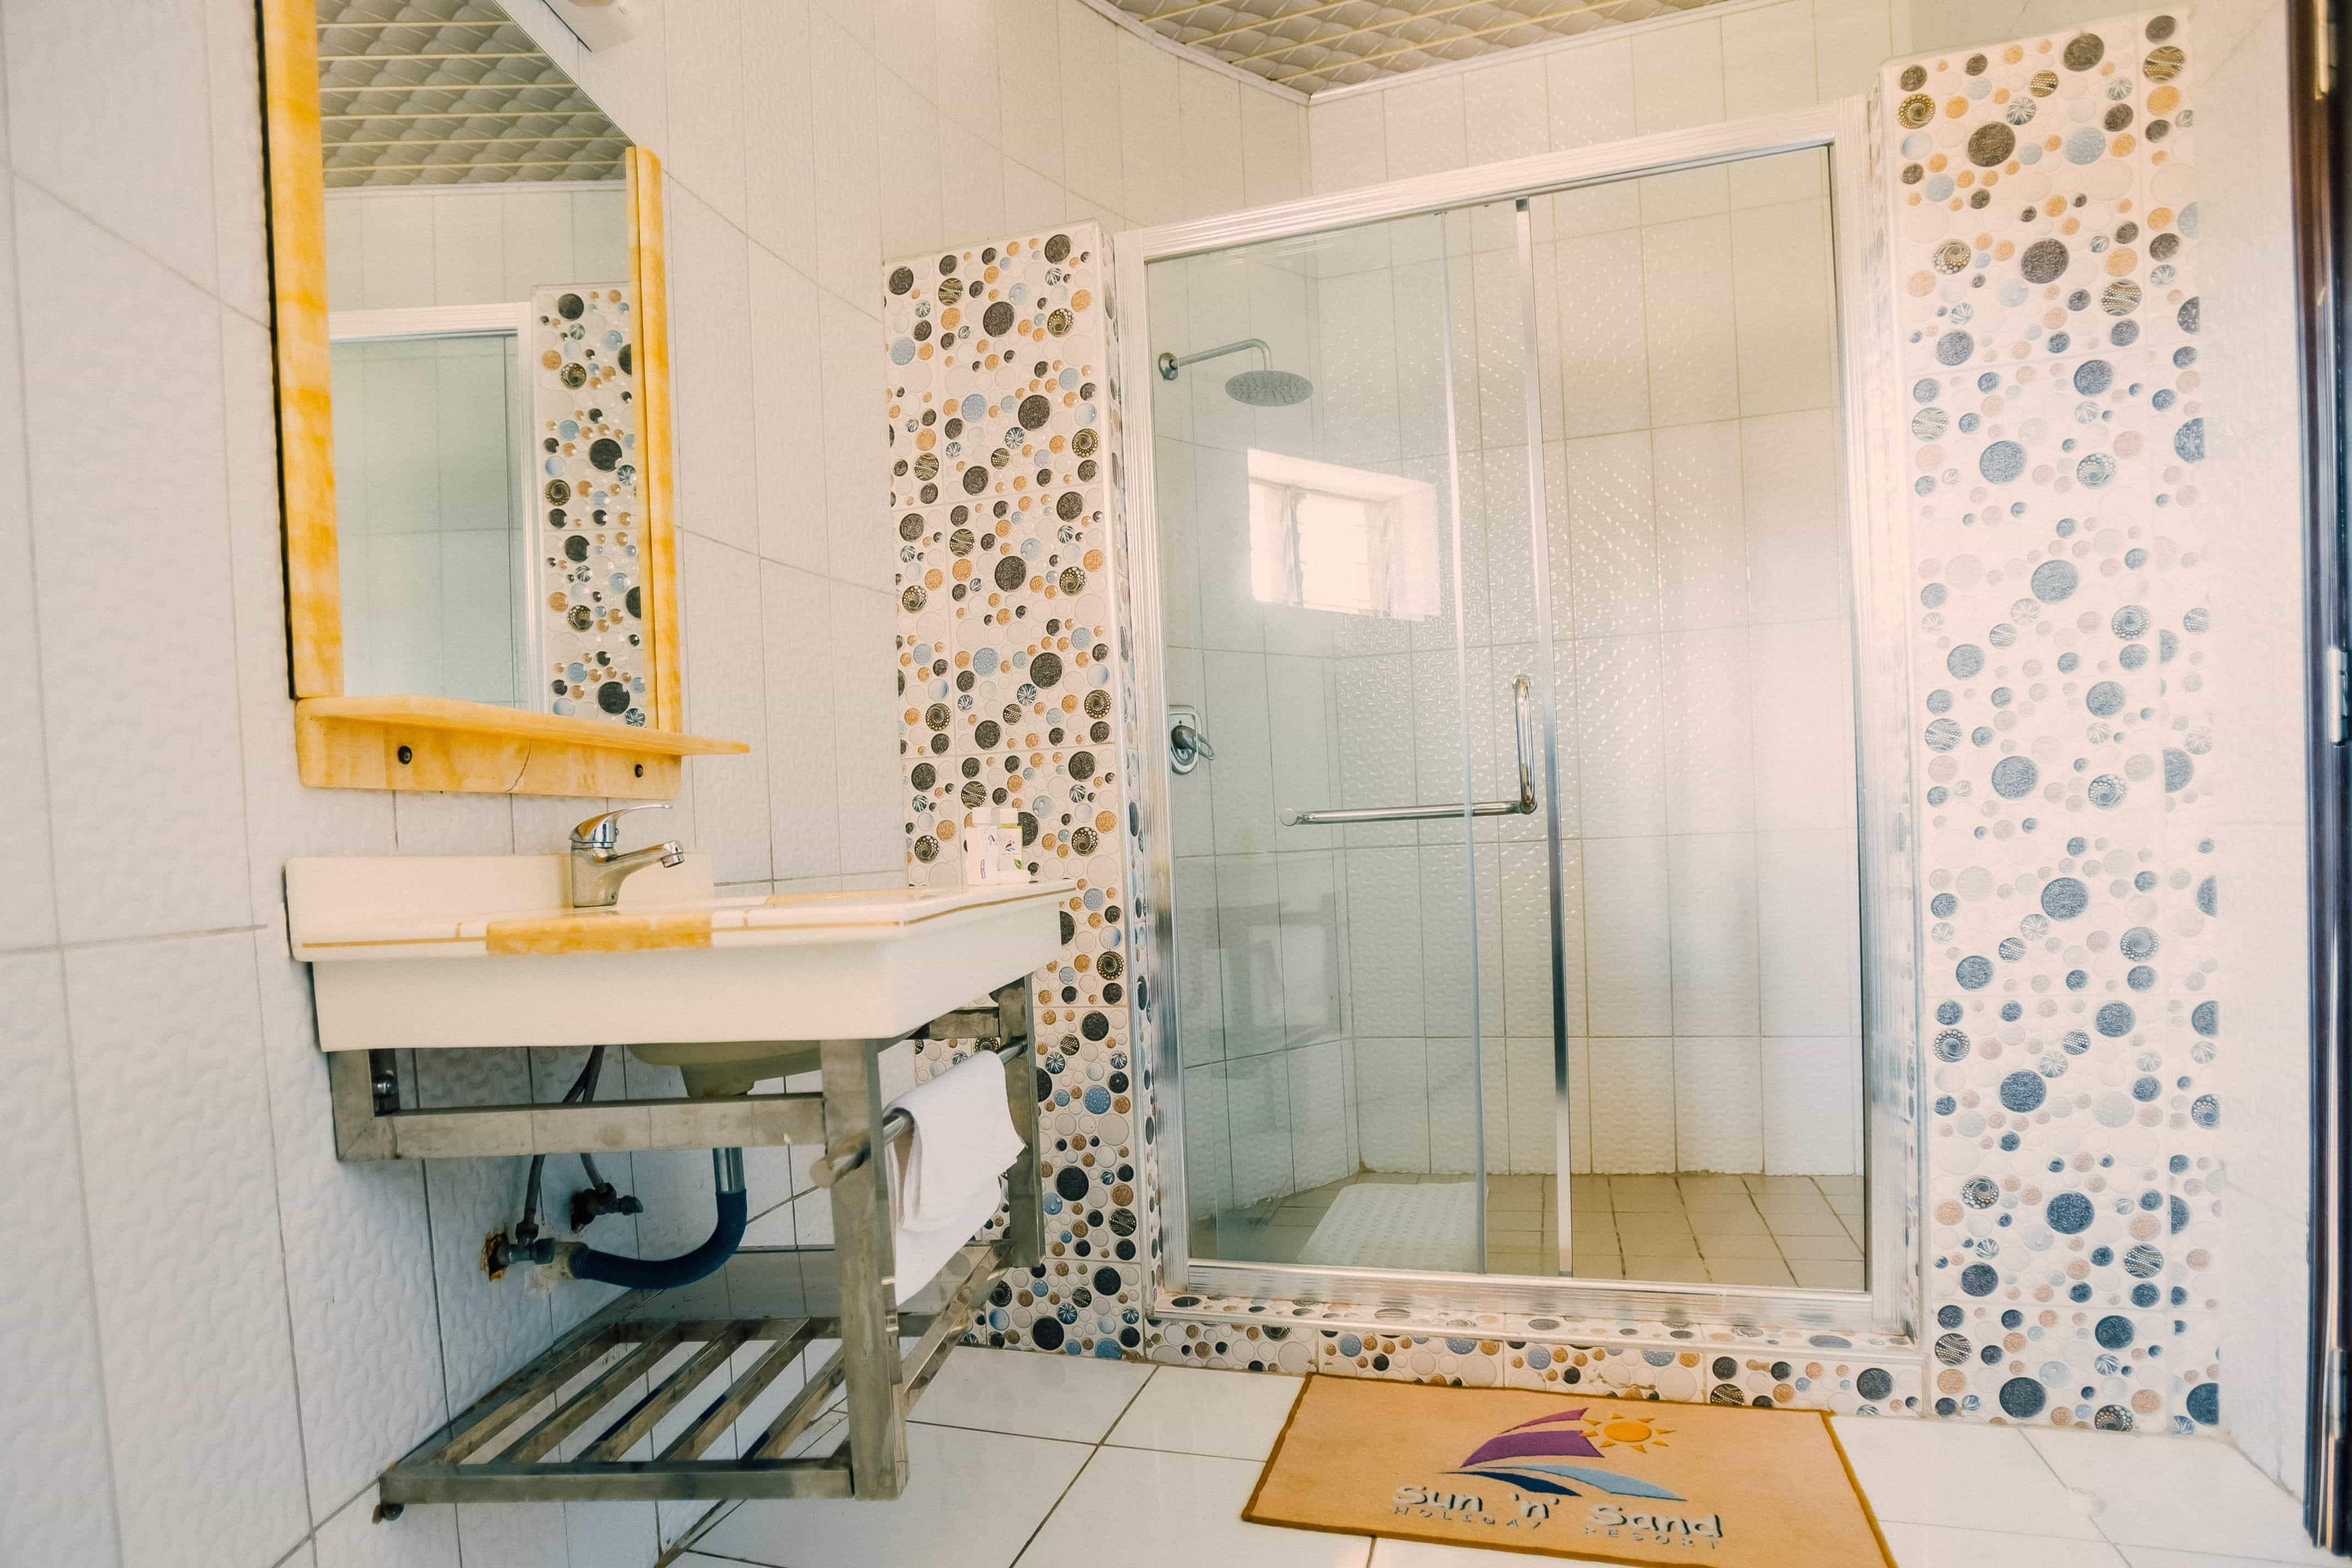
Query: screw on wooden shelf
[
  {"x": 406, "y": 756},
  {"x": 641, "y": 769}
]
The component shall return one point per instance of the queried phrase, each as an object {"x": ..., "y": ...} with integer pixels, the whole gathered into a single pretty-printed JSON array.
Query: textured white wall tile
[
  {"x": 1812, "y": 1113},
  {"x": 1208, "y": 1143},
  {"x": 1712, "y": 914},
  {"x": 1804, "y": 758},
  {"x": 727, "y": 697},
  {"x": 1678, "y": 76},
  {"x": 1320, "y": 1113},
  {"x": 703, "y": 52},
  {"x": 1600, "y": 340},
  {"x": 141, "y": 169},
  {"x": 1718, "y": 1104},
  {"x": 1620, "y": 742},
  {"x": 788, "y": 446},
  {"x": 803, "y": 792},
  {"x": 848, "y": 174},
  {"x": 1242, "y": 779},
  {"x": 1393, "y": 1110},
  {"x": 424, "y": 1536},
  {"x": 1257, "y": 1102},
  {"x": 709, "y": 268},
  {"x": 779, "y": 163},
  {"x": 1347, "y": 142},
  {"x": 1589, "y": 93},
  {"x": 1781, "y": 292},
  {"x": 865, "y": 725},
  {"x": 1427, "y": 126},
  {"x": 1453, "y": 1107},
  {"x": 1788, "y": 468},
  {"x": 1200, "y": 964},
  {"x": 513, "y": 1535},
  {"x": 216, "y": 1357},
  {"x": 1250, "y": 946},
  {"x": 1613, "y": 528},
  {"x": 859, "y": 543},
  {"x": 1148, "y": 130},
  {"x": 1628, "y": 983},
  {"x": 1708, "y": 758},
  {"x": 1851, "y": 39},
  {"x": 1701, "y": 538},
  {"x": 1531, "y": 1113},
  {"x": 1208, "y": 131},
  {"x": 1273, "y": 149},
  {"x": 365, "y": 1274},
  {"x": 59, "y": 1503},
  {"x": 1687, "y": 292},
  {"x": 1767, "y": 60},
  {"x": 1808, "y": 936},
  {"x": 28, "y": 916},
  {"x": 906, "y": 143},
  {"x": 1088, "y": 91},
  {"x": 137, "y": 851},
  {"x": 1313, "y": 942},
  {"x": 1633, "y": 1100}
]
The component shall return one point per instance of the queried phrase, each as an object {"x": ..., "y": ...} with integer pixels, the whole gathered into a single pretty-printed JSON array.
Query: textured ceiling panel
[
  {"x": 447, "y": 92},
  {"x": 1315, "y": 45}
]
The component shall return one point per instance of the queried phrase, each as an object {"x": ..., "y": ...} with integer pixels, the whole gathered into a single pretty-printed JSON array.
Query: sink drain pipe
[{"x": 582, "y": 1262}]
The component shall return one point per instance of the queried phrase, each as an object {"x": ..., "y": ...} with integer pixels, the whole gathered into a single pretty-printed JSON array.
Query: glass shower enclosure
[{"x": 1508, "y": 633}]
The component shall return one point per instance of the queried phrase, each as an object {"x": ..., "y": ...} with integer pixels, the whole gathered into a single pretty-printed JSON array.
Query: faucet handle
[{"x": 603, "y": 831}]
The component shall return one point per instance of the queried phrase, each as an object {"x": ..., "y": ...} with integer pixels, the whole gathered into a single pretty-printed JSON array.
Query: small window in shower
[{"x": 1347, "y": 540}]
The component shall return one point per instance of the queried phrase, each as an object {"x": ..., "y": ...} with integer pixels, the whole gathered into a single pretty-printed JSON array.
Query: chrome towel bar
[
  {"x": 1525, "y": 806},
  {"x": 895, "y": 1126}
]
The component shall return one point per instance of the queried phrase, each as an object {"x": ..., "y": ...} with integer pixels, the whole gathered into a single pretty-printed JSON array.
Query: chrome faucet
[{"x": 598, "y": 868}]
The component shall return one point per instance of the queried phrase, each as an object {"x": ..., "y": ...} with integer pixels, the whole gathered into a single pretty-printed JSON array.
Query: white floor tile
[
  {"x": 1967, "y": 1476},
  {"x": 2188, "y": 1496},
  {"x": 1427, "y": 1554},
  {"x": 1235, "y": 1415},
  {"x": 972, "y": 1499},
  {"x": 1936, "y": 1546},
  {"x": 2162, "y": 1557},
  {"x": 1075, "y": 1398},
  {"x": 1175, "y": 1510}
]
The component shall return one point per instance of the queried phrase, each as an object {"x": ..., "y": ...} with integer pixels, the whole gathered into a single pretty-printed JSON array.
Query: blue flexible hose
[{"x": 666, "y": 1273}]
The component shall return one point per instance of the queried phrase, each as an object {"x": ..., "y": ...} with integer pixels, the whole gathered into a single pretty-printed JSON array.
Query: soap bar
[{"x": 992, "y": 848}]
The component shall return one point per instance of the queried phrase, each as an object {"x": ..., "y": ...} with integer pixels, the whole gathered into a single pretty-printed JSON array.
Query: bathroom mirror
[{"x": 473, "y": 407}]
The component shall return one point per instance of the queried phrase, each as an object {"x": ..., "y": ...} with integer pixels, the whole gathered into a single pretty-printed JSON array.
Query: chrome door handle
[
  {"x": 1187, "y": 747},
  {"x": 1525, "y": 806}
]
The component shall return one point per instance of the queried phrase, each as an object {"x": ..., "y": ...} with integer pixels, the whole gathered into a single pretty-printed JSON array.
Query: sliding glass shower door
[
  {"x": 1316, "y": 529},
  {"x": 1504, "y": 587}
]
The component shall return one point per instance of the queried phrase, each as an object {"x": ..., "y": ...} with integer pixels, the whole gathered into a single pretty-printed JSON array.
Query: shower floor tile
[{"x": 1694, "y": 1227}]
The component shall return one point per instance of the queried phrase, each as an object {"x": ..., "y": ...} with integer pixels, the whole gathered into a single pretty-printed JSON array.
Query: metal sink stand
[{"x": 580, "y": 1422}]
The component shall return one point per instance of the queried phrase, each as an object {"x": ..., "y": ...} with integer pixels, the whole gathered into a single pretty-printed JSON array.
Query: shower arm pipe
[
  {"x": 1170, "y": 363},
  {"x": 582, "y": 1262}
]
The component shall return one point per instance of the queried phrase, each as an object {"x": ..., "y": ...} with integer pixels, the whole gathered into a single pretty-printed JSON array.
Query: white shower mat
[{"x": 1400, "y": 1225}]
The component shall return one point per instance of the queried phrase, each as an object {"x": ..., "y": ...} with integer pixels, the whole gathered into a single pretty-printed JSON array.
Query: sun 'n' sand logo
[{"x": 1533, "y": 1455}]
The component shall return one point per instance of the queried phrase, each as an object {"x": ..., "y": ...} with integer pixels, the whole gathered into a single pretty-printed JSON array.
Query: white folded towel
[{"x": 946, "y": 1176}]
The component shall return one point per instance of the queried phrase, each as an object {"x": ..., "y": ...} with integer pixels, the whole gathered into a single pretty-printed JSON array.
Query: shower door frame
[{"x": 1894, "y": 1155}]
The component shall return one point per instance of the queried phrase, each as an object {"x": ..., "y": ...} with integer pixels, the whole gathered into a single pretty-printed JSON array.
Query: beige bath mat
[{"x": 1610, "y": 1480}]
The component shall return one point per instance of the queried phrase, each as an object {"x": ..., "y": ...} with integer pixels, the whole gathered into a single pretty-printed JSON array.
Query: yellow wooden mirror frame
[{"x": 418, "y": 743}]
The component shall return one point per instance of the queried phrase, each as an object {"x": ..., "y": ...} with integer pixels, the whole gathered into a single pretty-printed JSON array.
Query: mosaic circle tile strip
[
  {"x": 588, "y": 597},
  {"x": 997, "y": 402},
  {"x": 2046, "y": 212}
]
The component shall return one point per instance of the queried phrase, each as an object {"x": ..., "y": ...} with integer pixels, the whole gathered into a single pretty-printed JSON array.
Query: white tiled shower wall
[{"x": 213, "y": 1335}]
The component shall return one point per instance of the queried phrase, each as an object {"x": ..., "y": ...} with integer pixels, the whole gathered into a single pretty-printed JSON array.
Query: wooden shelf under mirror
[{"x": 631, "y": 746}]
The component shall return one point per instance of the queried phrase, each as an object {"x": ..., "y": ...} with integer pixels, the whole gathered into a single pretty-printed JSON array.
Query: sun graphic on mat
[{"x": 1638, "y": 1433}]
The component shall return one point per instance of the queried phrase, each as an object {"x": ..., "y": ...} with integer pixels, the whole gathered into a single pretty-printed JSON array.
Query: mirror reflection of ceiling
[
  {"x": 435, "y": 93},
  {"x": 1314, "y": 46}
]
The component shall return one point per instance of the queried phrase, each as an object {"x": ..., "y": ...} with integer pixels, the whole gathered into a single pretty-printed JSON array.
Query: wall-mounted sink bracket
[{"x": 619, "y": 1374}]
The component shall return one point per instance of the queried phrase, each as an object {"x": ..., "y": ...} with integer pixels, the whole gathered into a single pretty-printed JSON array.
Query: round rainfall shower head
[{"x": 1269, "y": 388}]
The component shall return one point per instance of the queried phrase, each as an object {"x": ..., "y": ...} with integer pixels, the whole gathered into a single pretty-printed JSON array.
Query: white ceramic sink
[{"x": 459, "y": 950}]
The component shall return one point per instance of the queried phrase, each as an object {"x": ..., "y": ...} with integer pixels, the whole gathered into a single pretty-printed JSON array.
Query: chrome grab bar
[{"x": 1525, "y": 806}]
